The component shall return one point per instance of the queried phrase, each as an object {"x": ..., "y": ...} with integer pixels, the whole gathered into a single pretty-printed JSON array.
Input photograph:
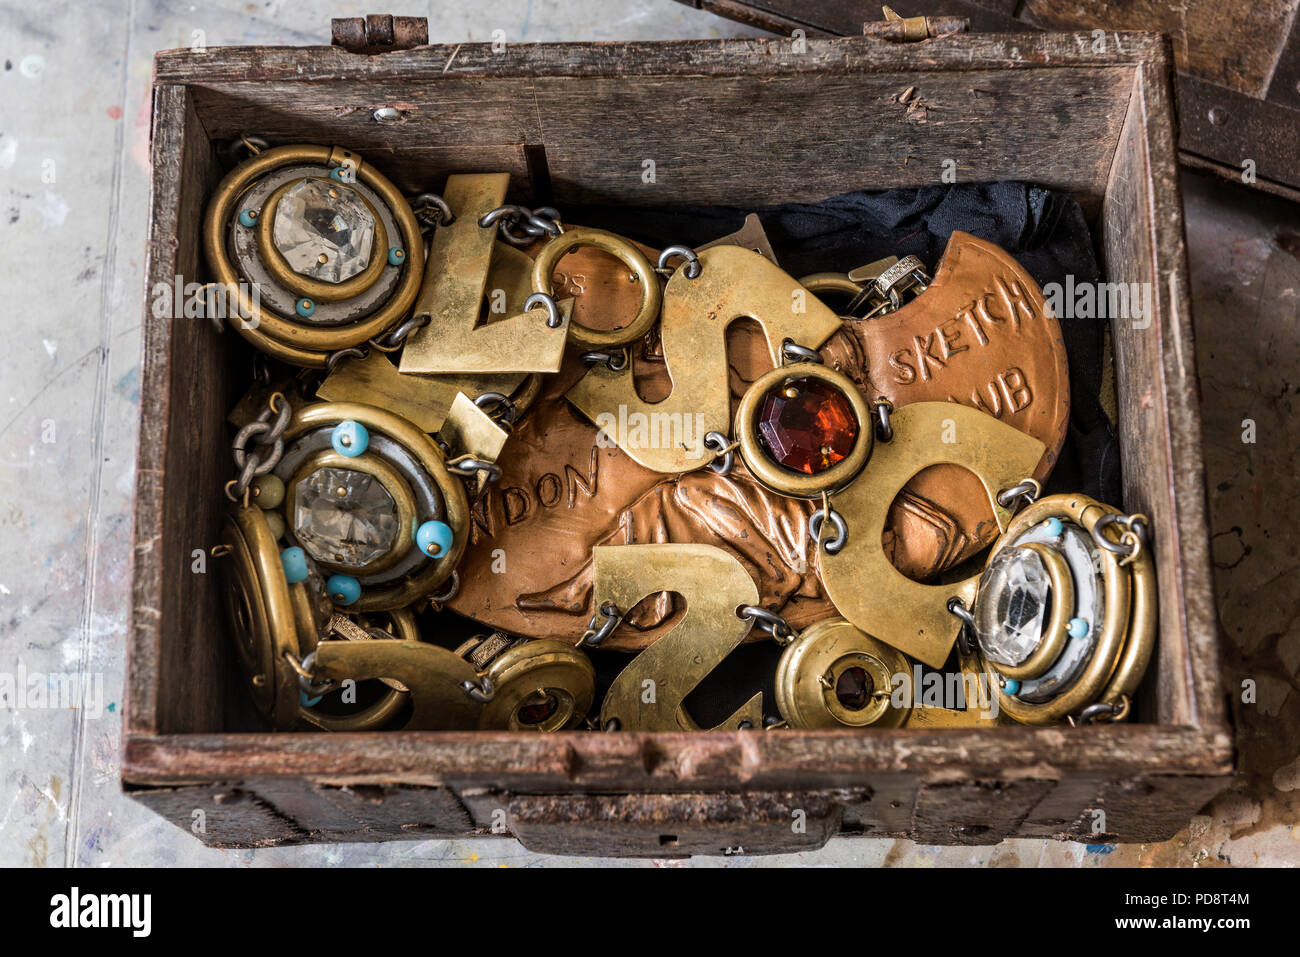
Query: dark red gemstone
[
  {"x": 538, "y": 708},
  {"x": 807, "y": 425},
  {"x": 853, "y": 688}
]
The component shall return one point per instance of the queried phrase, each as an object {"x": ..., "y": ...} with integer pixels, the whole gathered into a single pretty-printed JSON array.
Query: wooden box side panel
[
  {"x": 726, "y": 140},
  {"x": 1096, "y": 809},
  {"x": 174, "y": 647},
  {"x": 1159, "y": 410}
]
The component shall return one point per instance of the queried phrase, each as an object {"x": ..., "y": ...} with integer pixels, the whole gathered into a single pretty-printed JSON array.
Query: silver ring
[
  {"x": 482, "y": 693},
  {"x": 497, "y": 400},
  {"x": 422, "y": 203},
  {"x": 794, "y": 352},
  {"x": 884, "y": 427},
  {"x": 717, "y": 442},
  {"x": 768, "y": 621},
  {"x": 553, "y": 318},
  {"x": 1028, "y": 489},
  {"x": 693, "y": 267},
  {"x": 467, "y": 465},
  {"x": 1129, "y": 523},
  {"x": 815, "y": 522},
  {"x": 594, "y": 635},
  {"x": 615, "y": 361}
]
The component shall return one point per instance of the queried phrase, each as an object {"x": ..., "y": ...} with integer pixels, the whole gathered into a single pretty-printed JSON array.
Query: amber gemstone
[
  {"x": 537, "y": 708},
  {"x": 853, "y": 688},
  {"x": 807, "y": 425}
]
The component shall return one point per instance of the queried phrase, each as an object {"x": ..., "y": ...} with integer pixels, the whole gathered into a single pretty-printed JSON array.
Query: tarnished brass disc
[
  {"x": 811, "y": 669},
  {"x": 545, "y": 667}
]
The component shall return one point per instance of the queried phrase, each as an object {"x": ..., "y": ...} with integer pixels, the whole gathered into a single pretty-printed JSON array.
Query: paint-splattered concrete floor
[{"x": 74, "y": 121}]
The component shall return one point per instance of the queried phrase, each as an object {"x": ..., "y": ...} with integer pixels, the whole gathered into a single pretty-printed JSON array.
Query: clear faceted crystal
[
  {"x": 344, "y": 517},
  {"x": 323, "y": 230},
  {"x": 1012, "y": 603}
]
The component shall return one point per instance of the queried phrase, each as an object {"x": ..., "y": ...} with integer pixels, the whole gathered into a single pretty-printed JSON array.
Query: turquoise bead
[
  {"x": 343, "y": 589},
  {"x": 304, "y": 307},
  {"x": 337, "y": 174},
  {"x": 248, "y": 218},
  {"x": 434, "y": 538},
  {"x": 1053, "y": 526},
  {"x": 294, "y": 561},
  {"x": 1078, "y": 628},
  {"x": 308, "y": 702},
  {"x": 350, "y": 438},
  {"x": 1010, "y": 686},
  {"x": 396, "y": 256}
]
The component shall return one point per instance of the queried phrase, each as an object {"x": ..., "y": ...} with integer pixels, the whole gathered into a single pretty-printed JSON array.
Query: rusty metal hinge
[
  {"x": 911, "y": 29},
  {"x": 378, "y": 33}
]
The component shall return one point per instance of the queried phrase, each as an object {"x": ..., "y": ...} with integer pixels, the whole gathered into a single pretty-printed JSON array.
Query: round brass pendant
[
  {"x": 540, "y": 685},
  {"x": 635, "y": 260},
  {"x": 288, "y": 337},
  {"x": 428, "y": 573},
  {"x": 261, "y": 614},
  {"x": 834, "y": 675},
  {"x": 1124, "y": 637},
  {"x": 787, "y": 481}
]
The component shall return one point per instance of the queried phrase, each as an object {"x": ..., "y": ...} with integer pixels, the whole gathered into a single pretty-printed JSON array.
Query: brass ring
[
  {"x": 787, "y": 481},
  {"x": 1056, "y": 633},
  {"x": 276, "y": 335},
  {"x": 404, "y": 626},
  {"x": 1083, "y": 511},
  {"x": 305, "y": 285},
  {"x": 630, "y": 256},
  {"x": 393, "y": 483},
  {"x": 820, "y": 282},
  {"x": 419, "y": 444},
  {"x": 1141, "y": 632}
]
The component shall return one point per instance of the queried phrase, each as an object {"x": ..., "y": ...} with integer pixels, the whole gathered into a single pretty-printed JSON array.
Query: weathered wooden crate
[{"x": 737, "y": 122}]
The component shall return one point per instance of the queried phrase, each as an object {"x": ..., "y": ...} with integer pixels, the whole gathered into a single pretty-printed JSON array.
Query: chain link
[
  {"x": 691, "y": 266},
  {"x": 431, "y": 210},
  {"x": 264, "y": 433},
  {"x": 597, "y": 631},
  {"x": 768, "y": 621},
  {"x": 521, "y": 226},
  {"x": 1028, "y": 490}
]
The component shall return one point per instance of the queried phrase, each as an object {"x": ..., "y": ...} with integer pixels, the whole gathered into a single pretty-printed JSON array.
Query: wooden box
[{"x": 737, "y": 122}]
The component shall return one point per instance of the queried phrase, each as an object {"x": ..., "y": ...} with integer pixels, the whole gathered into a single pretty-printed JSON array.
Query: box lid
[{"x": 1238, "y": 85}]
